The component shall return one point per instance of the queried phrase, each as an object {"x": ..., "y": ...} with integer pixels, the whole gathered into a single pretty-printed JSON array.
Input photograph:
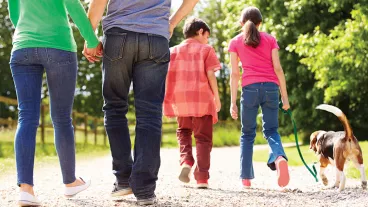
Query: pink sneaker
[
  {"x": 282, "y": 168},
  {"x": 246, "y": 183},
  {"x": 202, "y": 184}
]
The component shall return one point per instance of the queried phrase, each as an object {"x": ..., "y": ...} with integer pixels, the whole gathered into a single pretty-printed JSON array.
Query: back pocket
[
  {"x": 19, "y": 56},
  {"x": 114, "y": 45},
  {"x": 59, "y": 57},
  {"x": 158, "y": 48},
  {"x": 249, "y": 97},
  {"x": 272, "y": 98}
]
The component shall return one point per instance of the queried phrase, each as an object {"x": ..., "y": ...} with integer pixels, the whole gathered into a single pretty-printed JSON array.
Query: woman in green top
[{"x": 43, "y": 40}]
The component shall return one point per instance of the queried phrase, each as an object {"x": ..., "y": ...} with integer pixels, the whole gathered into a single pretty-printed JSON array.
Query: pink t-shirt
[{"x": 256, "y": 62}]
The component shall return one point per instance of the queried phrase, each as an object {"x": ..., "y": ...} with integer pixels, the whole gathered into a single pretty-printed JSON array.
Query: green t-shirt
[{"x": 45, "y": 23}]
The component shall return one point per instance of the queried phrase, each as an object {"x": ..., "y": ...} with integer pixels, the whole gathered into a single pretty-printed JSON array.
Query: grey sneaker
[
  {"x": 120, "y": 191},
  {"x": 146, "y": 201}
]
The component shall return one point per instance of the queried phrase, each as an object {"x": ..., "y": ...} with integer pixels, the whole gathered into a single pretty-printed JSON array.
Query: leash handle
[{"x": 288, "y": 112}]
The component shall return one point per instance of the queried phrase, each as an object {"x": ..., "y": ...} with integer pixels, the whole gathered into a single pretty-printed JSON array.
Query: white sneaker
[
  {"x": 184, "y": 173},
  {"x": 72, "y": 191},
  {"x": 27, "y": 199}
]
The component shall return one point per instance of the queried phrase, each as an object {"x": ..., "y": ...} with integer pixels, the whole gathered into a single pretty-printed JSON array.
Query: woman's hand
[
  {"x": 285, "y": 103},
  {"x": 93, "y": 54},
  {"x": 234, "y": 111}
]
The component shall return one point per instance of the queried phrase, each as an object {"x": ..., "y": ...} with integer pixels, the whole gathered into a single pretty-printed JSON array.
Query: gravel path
[{"x": 225, "y": 188}]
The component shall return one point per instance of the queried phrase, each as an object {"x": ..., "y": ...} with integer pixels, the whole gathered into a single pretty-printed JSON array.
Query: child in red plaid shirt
[{"x": 192, "y": 96}]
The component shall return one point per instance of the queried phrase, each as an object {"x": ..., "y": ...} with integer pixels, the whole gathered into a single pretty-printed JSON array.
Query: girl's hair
[{"x": 251, "y": 17}]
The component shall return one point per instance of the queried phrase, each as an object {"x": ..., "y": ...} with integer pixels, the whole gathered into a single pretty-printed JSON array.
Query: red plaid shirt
[{"x": 188, "y": 91}]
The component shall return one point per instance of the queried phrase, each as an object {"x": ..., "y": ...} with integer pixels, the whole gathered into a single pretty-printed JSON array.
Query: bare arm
[
  {"x": 281, "y": 76},
  {"x": 96, "y": 11},
  {"x": 213, "y": 83},
  {"x": 234, "y": 76},
  {"x": 234, "y": 83},
  {"x": 185, "y": 8}
]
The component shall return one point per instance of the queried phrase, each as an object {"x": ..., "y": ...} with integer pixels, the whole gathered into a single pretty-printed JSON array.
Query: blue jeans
[
  {"x": 27, "y": 66},
  {"x": 142, "y": 59},
  {"x": 265, "y": 95}
]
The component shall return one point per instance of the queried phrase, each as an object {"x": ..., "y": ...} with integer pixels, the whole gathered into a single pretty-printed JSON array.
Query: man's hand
[
  {"x": 93, "y": 54},
  {"x": 185, "y": 8}
]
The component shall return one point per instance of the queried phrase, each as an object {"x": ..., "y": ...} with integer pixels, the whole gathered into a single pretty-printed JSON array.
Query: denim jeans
[
  {"x": 27, "y": 66},
  {"x": 265, "y": 95},
  {"x": 142, "y": 59}
]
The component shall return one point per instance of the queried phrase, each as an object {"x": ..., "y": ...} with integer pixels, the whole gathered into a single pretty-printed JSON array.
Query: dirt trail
[{"x": 225, "y": 188}]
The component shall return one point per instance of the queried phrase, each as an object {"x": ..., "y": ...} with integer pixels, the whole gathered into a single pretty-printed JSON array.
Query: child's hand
[
  {"x": 93, "y": 54},
  {"x": 218, "y": 105},
  {"x": 285, "y": 103},
  {"x": 234, "y": 111}
]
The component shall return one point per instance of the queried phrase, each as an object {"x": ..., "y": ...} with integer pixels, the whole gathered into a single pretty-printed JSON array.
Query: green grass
[
  {"x": 46, "y": 152},
  {"x": 310, "y": 157},
  {"x": 225, "y": 134}
]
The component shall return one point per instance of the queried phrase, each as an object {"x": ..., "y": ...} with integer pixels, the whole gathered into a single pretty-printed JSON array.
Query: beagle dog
[{"x": 337, "y": 148}]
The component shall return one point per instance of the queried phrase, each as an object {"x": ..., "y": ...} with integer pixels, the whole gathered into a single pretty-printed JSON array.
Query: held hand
[
  {"x": 218, "y": 105},
  {"x": 93, "y": 54},
  {"x": 285, "y": 103},
  {"x": 234, "y": 111}
]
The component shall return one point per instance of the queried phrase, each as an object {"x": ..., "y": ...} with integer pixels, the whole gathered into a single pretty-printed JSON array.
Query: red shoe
[
  {"x": 185, "y": 171},
  {"x": 282, "y": 168},
  {"x": 246, "y": 183},
  {"x": 202, "y": 184}
]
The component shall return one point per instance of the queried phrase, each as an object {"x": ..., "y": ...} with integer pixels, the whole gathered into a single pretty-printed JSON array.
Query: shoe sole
[
  {"x": 283, "y": 173},
  {"x": 184, "y": 175},
  {"x": 28, "y": 203},
  {"x": 123, "y": 192},
  {"x": 147, "y": 202},
  {"x": 202, "y": 186}
]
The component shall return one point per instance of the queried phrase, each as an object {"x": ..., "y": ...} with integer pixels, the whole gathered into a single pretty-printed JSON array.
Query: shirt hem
[
  {"x": 23, "y": 46},
  {"x": 166, "y": 35}
]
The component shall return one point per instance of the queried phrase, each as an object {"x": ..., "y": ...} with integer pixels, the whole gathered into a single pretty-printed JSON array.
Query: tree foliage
[
  {"x": 321, "y": 44},
  {"x": 323, "y": 52}
]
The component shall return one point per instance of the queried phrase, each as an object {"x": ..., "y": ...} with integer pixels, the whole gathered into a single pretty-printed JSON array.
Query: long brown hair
[{"x": 251, "y": 17}]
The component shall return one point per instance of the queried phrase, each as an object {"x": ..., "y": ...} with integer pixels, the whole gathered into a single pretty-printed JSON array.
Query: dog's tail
[{"x": 332, "y": 109}]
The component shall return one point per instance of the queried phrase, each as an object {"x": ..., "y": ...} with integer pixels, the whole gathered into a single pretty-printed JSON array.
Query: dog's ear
[{"x": 313, "y": 141}]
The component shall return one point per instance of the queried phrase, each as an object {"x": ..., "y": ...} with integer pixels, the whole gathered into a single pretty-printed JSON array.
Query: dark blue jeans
[
  {"x": 142, "y": 59},
  {"x": 265, "y": 95},
  {"x": 27, "y": 66}
]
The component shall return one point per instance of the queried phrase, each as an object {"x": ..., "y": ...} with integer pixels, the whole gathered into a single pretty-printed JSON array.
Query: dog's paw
[{"x": 364, "y": 185}]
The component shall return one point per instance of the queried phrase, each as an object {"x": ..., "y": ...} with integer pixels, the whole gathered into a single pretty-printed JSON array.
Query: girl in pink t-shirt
[{"x": 262, "y": 79}]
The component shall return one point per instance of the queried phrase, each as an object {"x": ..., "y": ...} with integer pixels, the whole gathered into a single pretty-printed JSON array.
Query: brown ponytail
[{"x": 251, "y": 18}]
